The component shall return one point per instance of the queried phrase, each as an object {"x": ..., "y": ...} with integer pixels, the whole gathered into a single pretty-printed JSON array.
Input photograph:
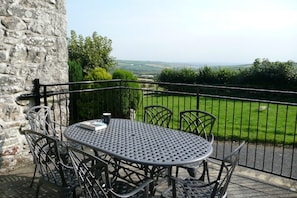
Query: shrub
[
  {"x": 125, "y": 99},
  {"x": 91, "y": 105}
]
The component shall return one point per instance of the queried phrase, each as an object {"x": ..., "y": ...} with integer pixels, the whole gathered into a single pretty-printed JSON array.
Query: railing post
[
  {"x": 36, "y": 91},
  {"x": 45, "y": 95},
  {"x": 197, "y": 99},
  {"x": 121, "y": 98}
]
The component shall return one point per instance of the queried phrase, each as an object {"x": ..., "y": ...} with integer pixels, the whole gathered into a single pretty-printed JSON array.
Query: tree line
[{"x": 262, "y": 74}]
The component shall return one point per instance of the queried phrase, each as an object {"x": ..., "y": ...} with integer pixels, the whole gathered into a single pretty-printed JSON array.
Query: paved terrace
[{"x": 244, "y": 183}]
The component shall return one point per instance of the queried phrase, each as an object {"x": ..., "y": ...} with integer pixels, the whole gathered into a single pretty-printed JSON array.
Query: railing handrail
[
  {"x": 51, "y": 93},
  {"x": 175, "y": 84}
]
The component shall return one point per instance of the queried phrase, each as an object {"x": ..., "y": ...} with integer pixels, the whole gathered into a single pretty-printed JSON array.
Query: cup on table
[{"x": 106, "y": 117}]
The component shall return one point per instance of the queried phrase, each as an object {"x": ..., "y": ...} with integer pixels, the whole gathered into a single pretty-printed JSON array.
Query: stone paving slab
[
  {"x": 245, "y": 183},
  {"x": 16, "y": 184}
]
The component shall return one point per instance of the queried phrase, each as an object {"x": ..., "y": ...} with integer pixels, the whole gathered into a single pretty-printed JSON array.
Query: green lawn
[{"x": 237, "y": 119}]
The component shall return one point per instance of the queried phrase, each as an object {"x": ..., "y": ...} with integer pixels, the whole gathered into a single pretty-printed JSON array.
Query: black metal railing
[{"x": 266, "y": 119}]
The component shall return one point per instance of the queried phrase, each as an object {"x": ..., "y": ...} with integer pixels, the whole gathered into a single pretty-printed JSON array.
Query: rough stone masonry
[{"x": 33, "y": 45}]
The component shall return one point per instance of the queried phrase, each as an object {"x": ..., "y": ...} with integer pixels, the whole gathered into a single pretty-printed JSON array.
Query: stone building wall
[{"x": 32, "y": 45}]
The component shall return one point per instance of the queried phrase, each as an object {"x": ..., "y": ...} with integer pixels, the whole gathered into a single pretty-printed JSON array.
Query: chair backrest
[
  {"x": 157, "y": 115},
  {"x": 92, "y": 173},
  {"x": 40, "y": 120},
  {"x": 46, "y": 155},
  {"x": 227, "y": 168},
  {"x": 197, "y": 122}
]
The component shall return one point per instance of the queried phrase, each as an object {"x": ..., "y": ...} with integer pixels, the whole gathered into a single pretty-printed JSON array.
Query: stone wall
[{"x": 32, "y": 45}]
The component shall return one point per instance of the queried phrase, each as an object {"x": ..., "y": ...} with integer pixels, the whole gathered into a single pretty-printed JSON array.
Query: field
[
  {"x": 155, "y": 67},
  {"x": 252, "y": 121}
]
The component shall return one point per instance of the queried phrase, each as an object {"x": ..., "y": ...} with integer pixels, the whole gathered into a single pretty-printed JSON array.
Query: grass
[{"x": 237, "y": 120}]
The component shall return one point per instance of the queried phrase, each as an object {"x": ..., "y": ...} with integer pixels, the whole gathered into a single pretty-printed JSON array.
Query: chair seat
[
  {"x": 124, "y": 188},
  {"x": 190, "y": 187},
  {"x": 55, "y": 178},
  {"x": 118, "y": 187}
]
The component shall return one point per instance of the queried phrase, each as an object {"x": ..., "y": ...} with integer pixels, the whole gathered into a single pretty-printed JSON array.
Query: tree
[
  {"x": 226, "y": 76},
  {"x": 75, "y": 72},
  {"x": 90, "y": 52},
  {"x": 167, "y": 75},
  {"x": 206, "y": 75},
  {"x": 187, "y": 75},
  {"x": 273, "y": 75}
]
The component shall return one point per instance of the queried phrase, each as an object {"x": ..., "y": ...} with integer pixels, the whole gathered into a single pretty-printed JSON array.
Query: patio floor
[{"x": 244, "y": 183}]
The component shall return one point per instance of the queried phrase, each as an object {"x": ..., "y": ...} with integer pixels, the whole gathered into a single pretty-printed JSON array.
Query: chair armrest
[
  {"x": 64, "y": 158},
  {"x": 211, "y": 139},
  {"x": 135, "y": 191}
]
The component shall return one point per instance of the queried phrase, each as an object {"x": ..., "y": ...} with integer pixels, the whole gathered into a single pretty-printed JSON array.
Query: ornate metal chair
[
  {"x": 49, "y": 162},
  {"x": 40, "y": 120},
  {"x": 161, "y": 116},
  {"x": 199, "y": 123},
  {"x": 157, "y": 115},
  {"x": 193, "y": 187},
  {"x": 101, "y": 179}
]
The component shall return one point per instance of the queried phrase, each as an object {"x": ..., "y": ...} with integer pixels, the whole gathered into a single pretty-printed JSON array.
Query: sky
[{"x": 190, "y": 31}]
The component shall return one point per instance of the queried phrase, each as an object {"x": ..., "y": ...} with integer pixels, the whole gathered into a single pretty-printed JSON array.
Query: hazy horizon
[
  {"x": 192, "y": 63},
  {"x": 191, "y": 31}
]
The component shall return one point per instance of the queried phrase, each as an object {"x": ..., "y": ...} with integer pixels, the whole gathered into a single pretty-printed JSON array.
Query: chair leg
[
  {"x": 176, "y": 171},
  {"x": 205, "y": 172},
  {"x": 169, "y": 174},
  {"x": 38, "y": 188},
  {"x": 66, "y": 193},
  {"x": 174, "y": 189},
  {"x": 35, "y": 169},
  {"x": 150, "y": 173},
  {"x": 146, "y": 191},
  {"x": 74, "y": 193}
]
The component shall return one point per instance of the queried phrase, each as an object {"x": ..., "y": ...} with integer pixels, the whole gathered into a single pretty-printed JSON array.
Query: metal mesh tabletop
[{"x": 143, "y": 143}]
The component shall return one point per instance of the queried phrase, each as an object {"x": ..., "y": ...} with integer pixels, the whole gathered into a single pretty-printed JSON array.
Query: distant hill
[{"x": 155, "y": 67}]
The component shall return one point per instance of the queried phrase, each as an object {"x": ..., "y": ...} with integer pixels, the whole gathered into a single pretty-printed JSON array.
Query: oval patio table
[{"x": 143, "y": 143}]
